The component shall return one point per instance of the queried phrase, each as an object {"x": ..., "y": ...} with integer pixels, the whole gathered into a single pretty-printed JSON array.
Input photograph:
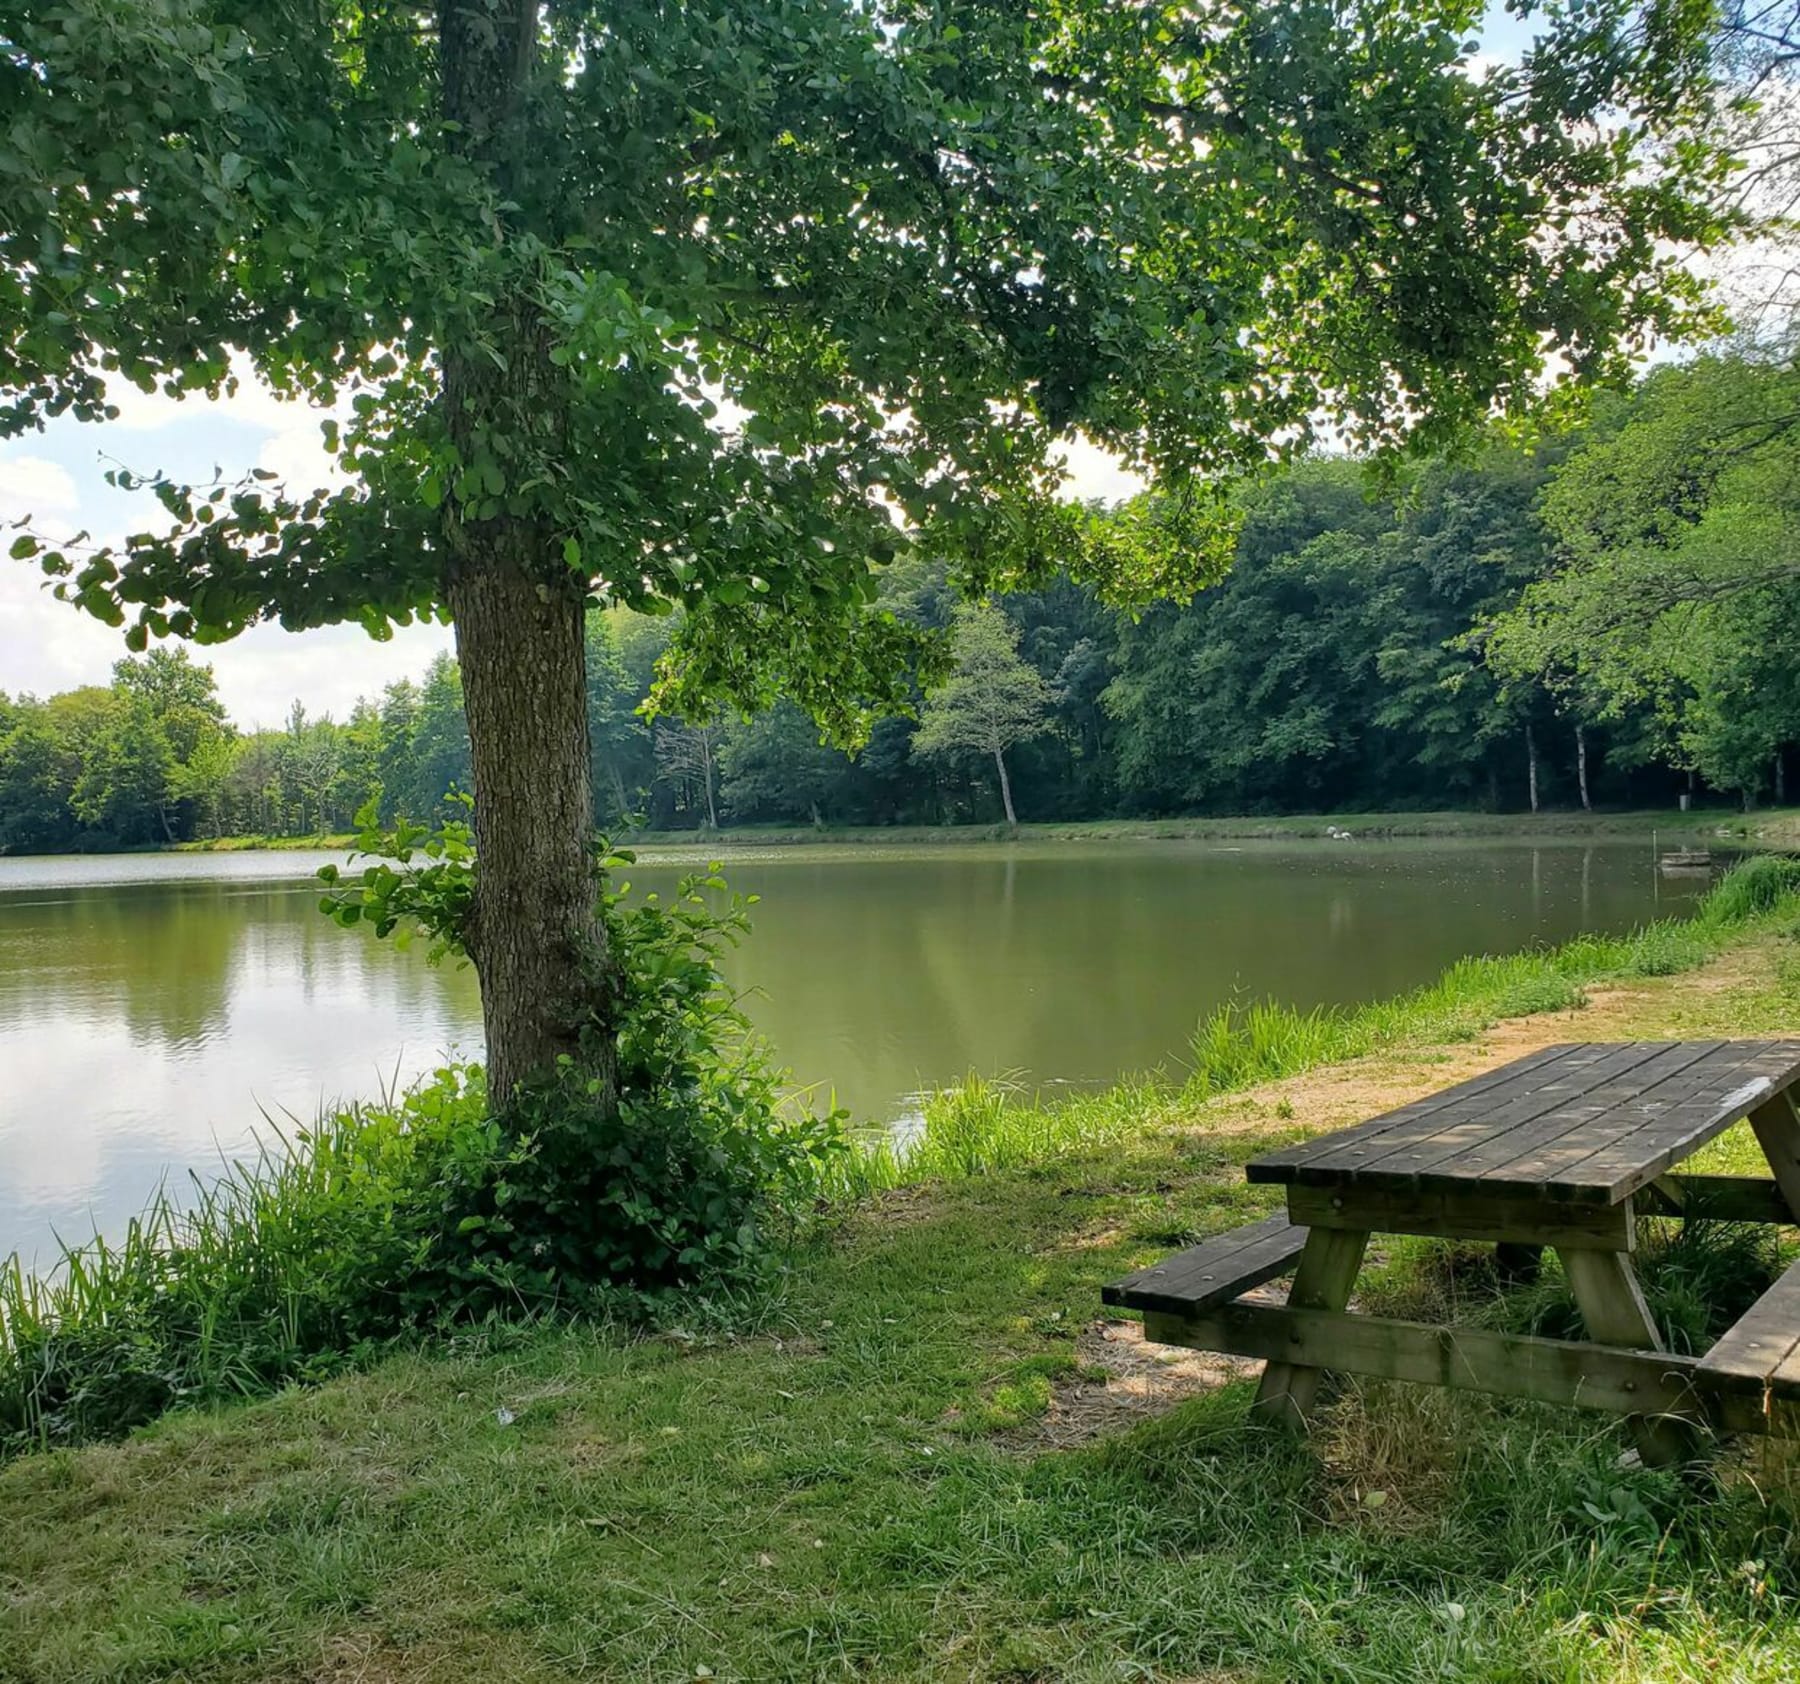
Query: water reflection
[{"x": 149, "y": 1007}]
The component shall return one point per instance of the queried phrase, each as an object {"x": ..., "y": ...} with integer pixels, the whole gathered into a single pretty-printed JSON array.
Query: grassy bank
[
  {"x": 337, "y": 842},
  {"x": 1776, "y": 826},
  {"x": 928, "y": 1459}
]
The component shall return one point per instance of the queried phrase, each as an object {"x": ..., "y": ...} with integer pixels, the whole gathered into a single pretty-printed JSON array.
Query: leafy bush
[
  {"x": 654, "y": 1161},
  {"x": 673, "y": 1178}
]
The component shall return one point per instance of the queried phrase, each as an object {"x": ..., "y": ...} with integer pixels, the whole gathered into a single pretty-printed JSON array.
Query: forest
[{"x": 1601, "y": 612}]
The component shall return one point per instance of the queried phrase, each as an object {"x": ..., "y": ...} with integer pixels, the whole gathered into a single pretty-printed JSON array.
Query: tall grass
[
  {"x": 982, "y": 1126},
  {"x": 275, "y": 1270}
]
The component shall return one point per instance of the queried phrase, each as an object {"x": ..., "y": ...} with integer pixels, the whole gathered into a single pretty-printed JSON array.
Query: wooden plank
[
  {"x": 1464, "y": 1213},
  {"x": 1564, "y": 1130},
  {"x": 1365, "y": 1139},
  {"x": 1715, "y": 1198},
  {"x": 1561, "y": 1371},
  {"x": 1323, "y": 1281},
  {"x": 1776, "y": 1125},
  {"x": 1592, "y": 1125},
  {"x": 1764, "y": 1342},
  {"x": 1660, "y": 1127},
  {"x": 1549, "y": 1098},
  {"x": 1613, "y": 1308},
  {"x": 1215, "y": 1270}
]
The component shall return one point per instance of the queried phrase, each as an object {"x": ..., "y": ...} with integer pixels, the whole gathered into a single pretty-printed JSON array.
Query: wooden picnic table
[{"x": 1563, "y": 1148}]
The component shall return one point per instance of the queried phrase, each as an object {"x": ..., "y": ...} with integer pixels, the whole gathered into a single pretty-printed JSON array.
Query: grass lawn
[{"x": 930, "y": 1458}]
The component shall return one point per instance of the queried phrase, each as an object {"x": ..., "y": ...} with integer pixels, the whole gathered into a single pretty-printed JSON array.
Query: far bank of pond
[
  {"x": 1772, "y": 825},
  {"x": 150, "y": 1004}
]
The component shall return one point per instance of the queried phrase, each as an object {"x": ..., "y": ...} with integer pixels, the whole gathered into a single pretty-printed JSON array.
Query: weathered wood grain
[
  {"x": 1323, "y": 1281},
  {"x": 1465, "y": 1214},
  {"x": 1590, "y": 1125},
  {"x": 1763, "y": 1346},
  {"x": 1214, "y": 1271},
  {"x": 1626, "y": 1382}
]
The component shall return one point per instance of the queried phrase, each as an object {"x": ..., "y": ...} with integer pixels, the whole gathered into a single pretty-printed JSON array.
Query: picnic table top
[{"x": 1589, "y": 1122}]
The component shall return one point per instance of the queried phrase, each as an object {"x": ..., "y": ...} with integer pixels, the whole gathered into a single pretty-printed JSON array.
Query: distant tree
[
  {"x": 440, "y": 761},
  {"x": 619, "y": 737},
  {"x": 1676, "y": 585},
  {"x": 181, "y": 699},
  {"x": 35, "y": 778},
  {"x": 314, "y": 759},
  {"x": 394, "y": 759},
  {"x": 774, "y": 766},
  {"x": 122, "y": 790},
  {"x": 992, "y": 701},
  {"x": 687, "y": 759}
]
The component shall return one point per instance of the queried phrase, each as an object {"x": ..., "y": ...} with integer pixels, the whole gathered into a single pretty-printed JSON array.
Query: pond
[{"x": 153, "y": 1008}]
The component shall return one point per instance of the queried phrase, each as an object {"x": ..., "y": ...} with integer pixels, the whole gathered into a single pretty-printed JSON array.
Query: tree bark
[
  {"x": 1005, "y": 788},
  {"x": 1581, "y": 767},
  {"x": 1531, "y": 765},
  {"x": 535, "y": 933}
]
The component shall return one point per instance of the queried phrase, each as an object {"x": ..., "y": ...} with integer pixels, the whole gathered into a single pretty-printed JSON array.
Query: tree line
[{"x": 1601, "y": 614}]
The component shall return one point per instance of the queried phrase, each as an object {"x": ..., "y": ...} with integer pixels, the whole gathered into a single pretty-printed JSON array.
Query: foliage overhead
[{"x": 801, "y": 281}]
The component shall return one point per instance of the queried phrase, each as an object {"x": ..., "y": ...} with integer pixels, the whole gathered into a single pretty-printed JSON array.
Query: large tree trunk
[
  {"x": 1581, "y": 767},
  {"x": 535, "y": 934},
  {"x": 1005, "y": 788},
  {"x": 1531, "y": 765}
]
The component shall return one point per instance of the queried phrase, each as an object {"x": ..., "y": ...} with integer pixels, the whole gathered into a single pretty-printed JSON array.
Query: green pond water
[{"x": 152, "y": 1008}]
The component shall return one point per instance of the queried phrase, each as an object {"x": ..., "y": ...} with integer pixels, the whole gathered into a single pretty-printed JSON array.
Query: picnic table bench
[{"x": 1564, "y": 1148}]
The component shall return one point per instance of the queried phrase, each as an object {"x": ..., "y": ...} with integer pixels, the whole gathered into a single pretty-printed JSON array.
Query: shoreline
[{"x": 1774, "y": 827}]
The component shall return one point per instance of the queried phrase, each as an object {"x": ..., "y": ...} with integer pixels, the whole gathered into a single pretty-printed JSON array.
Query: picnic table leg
[
  {"x": 1612, "y": 1305},
  {"x": 1323, "y": 1281},
  {"x": 1777, "y": 1131}
]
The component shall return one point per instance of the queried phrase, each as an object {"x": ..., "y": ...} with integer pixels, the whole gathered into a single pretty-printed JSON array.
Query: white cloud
[
  {"x": 298, "y": 455},
  {"x": 36, "y": 486}
]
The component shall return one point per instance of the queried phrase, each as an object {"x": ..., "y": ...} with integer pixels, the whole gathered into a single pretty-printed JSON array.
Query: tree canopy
[{"x": 778, "y": 270}]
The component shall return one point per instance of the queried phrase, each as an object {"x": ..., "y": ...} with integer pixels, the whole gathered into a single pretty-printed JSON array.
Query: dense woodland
[{"x": 1602, "y": 614}]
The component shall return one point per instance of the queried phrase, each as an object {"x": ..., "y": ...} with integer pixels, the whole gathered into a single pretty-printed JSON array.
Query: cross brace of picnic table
[{"x": 1564, "y": 1149}]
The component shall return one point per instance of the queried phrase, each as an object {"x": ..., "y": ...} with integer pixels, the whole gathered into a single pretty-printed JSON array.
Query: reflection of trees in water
[
  {"x": 161, "y": 957},
  {"x": 173, "y": 962}
]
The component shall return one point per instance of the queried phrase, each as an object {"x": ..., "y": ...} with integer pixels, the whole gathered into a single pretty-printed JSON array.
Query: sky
[{"x": 57, "y": 476}]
